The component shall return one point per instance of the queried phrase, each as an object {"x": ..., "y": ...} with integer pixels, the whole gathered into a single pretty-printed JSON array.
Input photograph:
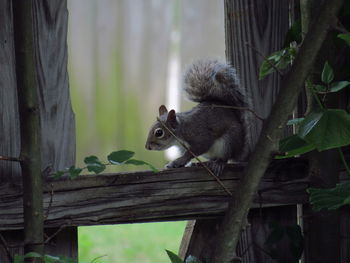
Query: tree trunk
[
  {"x": 271, "y": 133},
  {"x": 30, "y": 156}
]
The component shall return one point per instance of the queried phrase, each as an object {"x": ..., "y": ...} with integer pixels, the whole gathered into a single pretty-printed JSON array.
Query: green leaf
[
  {"x": 293, "y": 145},
  {"x": 93, "y": 164},
  {"x": 120, "y": 157},
  {"x": 173, "y": 257},
  {"x": 309, "y": 123},
  {"x": 293, "y": 34},
  {"x": 32, "y": 255},
  {"x": 329, "y": 199},
  {"x": 18, "y": 259},
  {"x": 347, "y": 201},
  {"x": 58, "y": 174},
  {"x": 74, "y": 171},
  {"x": 320, "y": 88},
  {"x": 192, "y": 259},
  {"x": 295, "y": 121},
  {"x": 326, "y": 129},
  {"x": 327, "y": 75},
  {"x": 91, "y": 159},
  {"x": 336, "y": 86},
  {"x": 279, "y": 59},
  {"x": 345, "y": 37},
  {"x": 51, "y": 259},
  {"x": 68, "y": 260},
  {"x": 139, "y": 162},
  {"x": 265, "y": 69}
]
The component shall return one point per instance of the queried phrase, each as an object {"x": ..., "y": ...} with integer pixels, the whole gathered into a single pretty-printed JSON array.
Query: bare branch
[
  {"x": 340, "y": 27},
  {"x": 6, "y": 247},
  {"x": 54, "y": 234},
  {"x": 230, "y": 230},
  {"x": 29, "y": 115},
  {"x": 11, "y": 159},
  {"x": 50, "y": 203}
]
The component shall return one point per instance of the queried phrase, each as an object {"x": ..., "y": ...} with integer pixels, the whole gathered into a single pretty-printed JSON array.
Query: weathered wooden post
[
  {"x": 50, "y": 20},
  {"x": 252, "y": 28}
]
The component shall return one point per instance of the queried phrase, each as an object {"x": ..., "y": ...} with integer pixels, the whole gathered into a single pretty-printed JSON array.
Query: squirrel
[{"x": 213, "y": 128}]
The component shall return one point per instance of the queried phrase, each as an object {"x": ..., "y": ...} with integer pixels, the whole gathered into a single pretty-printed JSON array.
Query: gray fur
[
  {"x": 211, "y": 80},
  {"x": 218, "y": 133}
]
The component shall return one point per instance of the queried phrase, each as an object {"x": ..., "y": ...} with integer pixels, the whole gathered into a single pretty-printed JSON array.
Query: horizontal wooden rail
[{"x": 174, "y": 194}]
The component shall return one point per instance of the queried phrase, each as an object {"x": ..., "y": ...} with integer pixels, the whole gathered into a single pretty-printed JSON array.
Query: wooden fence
[{"x": 177, "y": 194}]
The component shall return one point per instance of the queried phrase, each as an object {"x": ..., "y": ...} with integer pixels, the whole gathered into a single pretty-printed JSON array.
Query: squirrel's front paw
[{"x": 174, "y": 164}]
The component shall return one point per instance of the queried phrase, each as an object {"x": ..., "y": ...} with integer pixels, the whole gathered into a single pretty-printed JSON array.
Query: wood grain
[
  {"x": 57, "y": 118},
  {"x": 9, "y": 120},
  {"x": 56, "y": 115},
  {"x": 253, "y": 26},
  {"x": 176, "y": 194},
  {"x": 250, "y": 26}
]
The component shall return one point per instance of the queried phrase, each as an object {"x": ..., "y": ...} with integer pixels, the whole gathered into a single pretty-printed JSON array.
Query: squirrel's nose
[{"x": 147, "y": 146}]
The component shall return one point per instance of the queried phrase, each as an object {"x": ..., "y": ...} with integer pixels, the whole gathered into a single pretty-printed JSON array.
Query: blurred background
[{"x": 125, "y": 60}]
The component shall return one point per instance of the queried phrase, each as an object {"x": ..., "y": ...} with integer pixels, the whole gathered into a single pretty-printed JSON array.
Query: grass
[{"x": 132, "y": 243}]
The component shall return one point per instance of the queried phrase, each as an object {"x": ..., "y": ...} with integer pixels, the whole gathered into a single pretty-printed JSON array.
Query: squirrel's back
[
  {"x": 211, "y": 80},
  {"x": 216, "y": 82}
]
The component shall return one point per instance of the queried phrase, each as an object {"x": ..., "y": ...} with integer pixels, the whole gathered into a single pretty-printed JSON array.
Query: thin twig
[
  {"x": 325, "y": 94},
  {"x": 265, "y": 58},
  {"x": 50, "y": 203},
  {"x": 317, "y": 99},
  {"x": 11, "y": 159},
  {"x": 4, "y": 244},
  {"x": 236, "y": 108},
  {"x": 55, "y": 234},
  {"x": 196, "y": 157},
  {"x": 342, "y": 158},
  {"x": 340, "y": 27}
]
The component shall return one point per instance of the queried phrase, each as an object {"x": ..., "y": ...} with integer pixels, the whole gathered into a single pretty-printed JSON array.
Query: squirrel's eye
[{"x": 158, "y": 133}]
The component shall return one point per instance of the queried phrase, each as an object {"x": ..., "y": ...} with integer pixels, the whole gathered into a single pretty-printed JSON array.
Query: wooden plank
[{"x": 174, "y": 194}]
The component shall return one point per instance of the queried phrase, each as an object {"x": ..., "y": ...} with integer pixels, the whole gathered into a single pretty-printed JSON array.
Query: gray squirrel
[{"x": 210, "y": 129}]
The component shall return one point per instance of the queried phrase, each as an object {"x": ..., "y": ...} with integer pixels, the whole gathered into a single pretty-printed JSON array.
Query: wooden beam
[{"x": 174, "y": 194}]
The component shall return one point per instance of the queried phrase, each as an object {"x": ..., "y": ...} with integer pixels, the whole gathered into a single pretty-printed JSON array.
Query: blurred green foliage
[
  {"x": 130, "y": 243},
  {"x": 111, "y": 117}
]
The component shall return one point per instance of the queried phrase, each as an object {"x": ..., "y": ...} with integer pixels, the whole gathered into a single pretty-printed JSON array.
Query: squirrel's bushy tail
[
  {"x": 217, "y": 82},
  {"x": 211, "y": 80}
]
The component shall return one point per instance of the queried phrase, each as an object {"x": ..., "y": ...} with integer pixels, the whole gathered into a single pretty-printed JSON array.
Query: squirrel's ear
[
  {"x": 171, "y": 120},
  {"x": 162, "y": 110}
]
